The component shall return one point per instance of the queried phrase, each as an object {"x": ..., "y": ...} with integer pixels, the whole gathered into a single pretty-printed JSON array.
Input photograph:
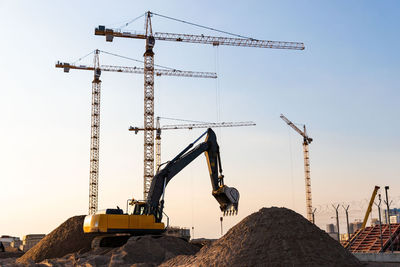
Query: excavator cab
[{"x": 140, "y": 207}]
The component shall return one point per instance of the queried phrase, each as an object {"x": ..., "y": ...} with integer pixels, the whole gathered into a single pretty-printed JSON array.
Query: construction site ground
[{"x": 269, "y": 237}]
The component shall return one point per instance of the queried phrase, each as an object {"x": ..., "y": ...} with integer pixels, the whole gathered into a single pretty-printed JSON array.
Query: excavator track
[
  {"x": 110, "y": 240},
  {"x": 118, "y": 240}
]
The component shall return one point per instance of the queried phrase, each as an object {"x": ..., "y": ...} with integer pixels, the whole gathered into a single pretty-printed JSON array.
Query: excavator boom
[{"x": 227, "y": 197}]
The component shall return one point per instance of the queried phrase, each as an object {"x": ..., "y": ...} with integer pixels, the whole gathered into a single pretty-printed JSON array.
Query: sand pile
[
  {"x": 271, "y": 237},
  {"x": 65, "y": 239}
]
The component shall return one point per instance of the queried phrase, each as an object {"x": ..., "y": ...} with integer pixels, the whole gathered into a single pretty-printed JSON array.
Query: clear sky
[{"x": 344, "y": 86}]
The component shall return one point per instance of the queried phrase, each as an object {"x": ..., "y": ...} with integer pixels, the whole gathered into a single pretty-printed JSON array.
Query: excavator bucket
[{"x": 228, "y": 199}]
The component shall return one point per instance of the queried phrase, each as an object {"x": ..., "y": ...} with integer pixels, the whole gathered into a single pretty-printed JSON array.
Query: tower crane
[
  {"x": 95, "y": 113},
  {"x": 306, "y": 141},
  {"x": 150, "y": 38},
  {"x": 190, "y": 126}
]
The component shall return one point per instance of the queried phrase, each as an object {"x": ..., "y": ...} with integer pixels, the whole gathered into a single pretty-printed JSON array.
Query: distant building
[
  {"x": 331, "y": 228},
  {"x": 9, "y": 241},
  {"x": 16, "y": 243},
  {"x": 28, "y": 241},
  {"x": 395, "y": 218},
  {"x": 354, "y": 226},
  {"x": 374, "y": 221},
  {"x": 394, "y": 214}
]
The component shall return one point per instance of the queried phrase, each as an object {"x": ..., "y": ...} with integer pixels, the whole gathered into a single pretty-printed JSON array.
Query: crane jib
[{"x": 203, "y": 39}]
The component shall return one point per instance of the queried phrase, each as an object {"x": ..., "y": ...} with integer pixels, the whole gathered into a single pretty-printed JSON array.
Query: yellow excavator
[{"x": 114, "y": 226}]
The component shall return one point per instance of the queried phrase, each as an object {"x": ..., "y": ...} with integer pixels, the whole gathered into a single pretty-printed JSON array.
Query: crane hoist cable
[
  {"x": 174, "y": 119},
  {"x": 79, "y": 59},
  {"x": 131, "y": 21},
  {"x": 201, "y": 26}
]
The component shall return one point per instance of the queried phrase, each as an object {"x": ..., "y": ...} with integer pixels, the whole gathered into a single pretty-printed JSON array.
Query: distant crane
[
  {"x": 95, "y": 114},
  {"x": 185, "y": 126},
  {"x": 306, "y": 141},
  {"x": 149, "y": 70}
]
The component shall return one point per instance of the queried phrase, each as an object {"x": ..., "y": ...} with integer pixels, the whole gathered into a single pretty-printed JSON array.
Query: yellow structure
[
  {"x": 114, "y": 221},
  {"x": 371, "y": 202}
]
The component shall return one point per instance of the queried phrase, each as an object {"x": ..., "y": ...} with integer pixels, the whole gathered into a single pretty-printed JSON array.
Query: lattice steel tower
[
  {"x": 95, "y": 137},
  {"x": 148, "y": 108},
  {"x": 306, "y": 141}
]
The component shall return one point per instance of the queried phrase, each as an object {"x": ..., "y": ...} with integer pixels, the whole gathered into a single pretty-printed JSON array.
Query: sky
[{"x": 344, "y": 87}]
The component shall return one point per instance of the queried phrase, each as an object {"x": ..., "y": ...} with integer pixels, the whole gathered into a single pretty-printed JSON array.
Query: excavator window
[{"x": 140, "y": 209}]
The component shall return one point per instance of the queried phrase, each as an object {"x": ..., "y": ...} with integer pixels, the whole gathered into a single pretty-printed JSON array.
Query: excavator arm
[{"x": 227, "y": 197}]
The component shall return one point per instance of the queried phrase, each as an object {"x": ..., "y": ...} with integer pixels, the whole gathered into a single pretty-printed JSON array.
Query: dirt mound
[
  {"x": 139, "y": 250},
  {"x": 65, "y": 239},
  {"x": 271, "y": 237}
]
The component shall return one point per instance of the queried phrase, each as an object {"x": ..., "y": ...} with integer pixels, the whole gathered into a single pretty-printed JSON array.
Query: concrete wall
[{"x": 379, "y": 257}]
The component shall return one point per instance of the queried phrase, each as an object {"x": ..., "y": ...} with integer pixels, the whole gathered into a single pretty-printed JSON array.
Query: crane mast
[
  {"x": 95, "y": 137},
  {"x": 306, "y": 141},
  {"x": 185, "y": 126},
  {"x": 95, "y": 112},
  {"x": 149, "y": 72},
  {"x": 148, "y": 108}
]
